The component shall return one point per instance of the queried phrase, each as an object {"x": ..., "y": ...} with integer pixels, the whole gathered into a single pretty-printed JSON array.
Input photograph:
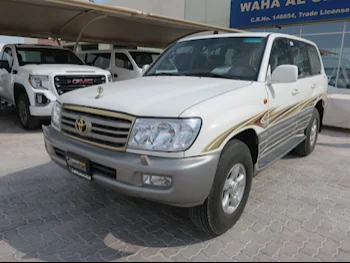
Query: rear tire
[
  {"x": 214, "y": 216},
  {"x": 312, "y": 130},
  {"x": 28, "y": 121}
]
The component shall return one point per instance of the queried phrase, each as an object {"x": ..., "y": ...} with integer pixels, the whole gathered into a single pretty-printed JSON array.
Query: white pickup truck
[{"x": 32, "y": 77}]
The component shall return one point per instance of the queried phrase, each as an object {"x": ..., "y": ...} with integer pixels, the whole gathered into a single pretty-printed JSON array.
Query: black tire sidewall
[
  {"x": 309, "y": 149},
  {"x": 31, "y": 122},
  {"x": 234, "y": 152}
]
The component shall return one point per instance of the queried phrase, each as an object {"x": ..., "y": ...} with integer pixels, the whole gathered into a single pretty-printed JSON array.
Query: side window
[
  {"x": 122, "y": 61},
  {"x": 280, "y": 53},
  {"x": 315, "y": 61},
  {"x": 100, "y": 60},
  {"x": 7, "y": 55},
  {"x": 300, "y": 58}
]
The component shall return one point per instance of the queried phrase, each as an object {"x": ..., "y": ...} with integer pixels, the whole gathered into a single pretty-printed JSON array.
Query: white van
[{"x": 122, "y": 63}]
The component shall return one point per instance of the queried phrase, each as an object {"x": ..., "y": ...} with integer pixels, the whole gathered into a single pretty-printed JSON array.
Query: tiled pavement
[{"x": 298, "y": 211}]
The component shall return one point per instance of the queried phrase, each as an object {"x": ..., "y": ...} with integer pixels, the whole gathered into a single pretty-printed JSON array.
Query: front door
[{"x": 284, "y": 100}]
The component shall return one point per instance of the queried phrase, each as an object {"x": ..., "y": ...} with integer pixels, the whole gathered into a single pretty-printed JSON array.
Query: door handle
[
  {"x": 295, "y": 92},
  {"x": 313, "y": 86}
]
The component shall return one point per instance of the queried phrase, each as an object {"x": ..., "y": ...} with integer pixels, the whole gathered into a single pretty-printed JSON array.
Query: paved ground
[{"x": 298, "y": 211}]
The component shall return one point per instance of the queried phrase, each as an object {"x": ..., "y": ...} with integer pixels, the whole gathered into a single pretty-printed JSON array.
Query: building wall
[{"x": 215, "y": 12}]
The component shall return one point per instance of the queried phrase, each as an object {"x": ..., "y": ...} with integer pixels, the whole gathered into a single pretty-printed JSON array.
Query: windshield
[
  {"x": 46, "y": 56},
  {"x": 144, "y": 58},
  {"x": 231, "y": 58}
]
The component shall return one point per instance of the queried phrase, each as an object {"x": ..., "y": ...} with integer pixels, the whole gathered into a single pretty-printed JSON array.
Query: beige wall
[
  {"x": 215, "y": 12},
  {"x": 172, "y": 8}
]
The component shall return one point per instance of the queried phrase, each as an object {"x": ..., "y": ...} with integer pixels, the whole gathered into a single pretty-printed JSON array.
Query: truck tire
[
  {"x": 230, "y": 191},
  {"x": 28, "y": 121},
  {"x": 312, "y": 130}
]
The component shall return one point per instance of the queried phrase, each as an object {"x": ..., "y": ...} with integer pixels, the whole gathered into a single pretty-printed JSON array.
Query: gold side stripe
[{"x": 290, "y": 111}]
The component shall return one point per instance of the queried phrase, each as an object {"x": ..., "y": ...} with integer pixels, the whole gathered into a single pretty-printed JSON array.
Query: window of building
[
  {"x": 315, "y": 61},
  {"x": 291, "y": 30},
  {"x": 330, "y": 48},
  {"x": 323, "y": 28},
  {"x": 122, "y": 61},
  {"x": 348, "y": 26},
  {"x": 85, "y": 47},
  {"x": 279, "y": 55},
  {"x": 344, "y": 72}
]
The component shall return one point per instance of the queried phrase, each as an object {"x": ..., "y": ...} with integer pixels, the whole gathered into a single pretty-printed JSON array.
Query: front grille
[
  {"x": 105, "y": 129},
  {"x": 65, "y": 84},
  {"x": 103, "y": 170}
]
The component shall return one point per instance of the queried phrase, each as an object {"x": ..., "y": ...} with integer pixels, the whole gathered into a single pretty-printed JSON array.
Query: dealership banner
[{"x": 249, "y": 13}]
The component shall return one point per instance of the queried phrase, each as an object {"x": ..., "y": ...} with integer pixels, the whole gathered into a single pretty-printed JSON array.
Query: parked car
[
  {"x": 123, "y": 64},
  {"x": 33, "y": 76},
  {"x": 206, "y": 117}
]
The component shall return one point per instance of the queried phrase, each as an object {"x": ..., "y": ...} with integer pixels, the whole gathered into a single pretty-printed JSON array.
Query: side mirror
[
  {"x": 144, "y": 69},
  {"x": 284, "y": 74},
  {"x": 4, "y": 64}
]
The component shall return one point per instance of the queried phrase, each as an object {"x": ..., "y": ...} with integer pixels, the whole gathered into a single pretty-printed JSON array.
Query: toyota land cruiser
[{"x": 205, "y": 118}]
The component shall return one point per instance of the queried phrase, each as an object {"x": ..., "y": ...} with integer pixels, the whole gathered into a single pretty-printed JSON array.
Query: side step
[{"x": 279, "y": 152}]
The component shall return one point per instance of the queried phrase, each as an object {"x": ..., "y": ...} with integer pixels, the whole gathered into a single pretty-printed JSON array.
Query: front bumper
[
  {"x": 41, "y": 111},
  {"x": 192, "y": 178}
]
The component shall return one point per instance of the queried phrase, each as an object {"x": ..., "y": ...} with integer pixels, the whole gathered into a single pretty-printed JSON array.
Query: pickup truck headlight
[
  {"x": 110, "y": 78},
  {"x": 168, "y": 135},
  {"x": 56, "y": 115},
  {"x": 39, "y": 82}
]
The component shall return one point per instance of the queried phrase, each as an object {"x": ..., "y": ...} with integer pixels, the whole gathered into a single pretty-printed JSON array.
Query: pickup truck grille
[
  {"x": 98, "y": 127},
  {"x": 65, "y": 84}
]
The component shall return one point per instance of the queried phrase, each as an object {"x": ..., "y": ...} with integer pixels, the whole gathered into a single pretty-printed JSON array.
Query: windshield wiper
[
  {"x": 209, "y": 75},
  {"x": 165, "y": 74}
]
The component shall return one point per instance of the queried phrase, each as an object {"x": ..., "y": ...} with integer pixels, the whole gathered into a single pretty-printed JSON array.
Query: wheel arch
[
  {"x": 248, "y": 136},
  {"x": 18, "y": 90}
]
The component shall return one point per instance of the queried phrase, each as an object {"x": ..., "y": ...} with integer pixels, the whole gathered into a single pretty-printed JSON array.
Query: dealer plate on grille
[{"x": 78, "y": 166}]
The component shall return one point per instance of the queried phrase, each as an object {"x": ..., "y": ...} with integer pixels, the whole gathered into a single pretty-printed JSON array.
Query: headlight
[
  {"x": 110, "y": 78},
  {"x": 39, "y": 82},
  {"x": 56, "y": 115},
  {"x": 164, "y": 135}
]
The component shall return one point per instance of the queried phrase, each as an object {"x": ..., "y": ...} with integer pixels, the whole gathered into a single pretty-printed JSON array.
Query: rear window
[
  {"x": 144, "y": 58},
  {"x": 100, "y": 60},
  {"x": 315, "y": 61}
]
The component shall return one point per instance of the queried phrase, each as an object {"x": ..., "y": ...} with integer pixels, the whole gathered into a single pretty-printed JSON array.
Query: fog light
[
  {"x": 41, "y": 99},
  {"x": 156, "y": 180}
]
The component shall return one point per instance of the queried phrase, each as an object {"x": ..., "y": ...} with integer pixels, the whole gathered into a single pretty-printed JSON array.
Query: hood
[
  {"x": 153, "y": 96},
  {"x": 47, "y": 69}
]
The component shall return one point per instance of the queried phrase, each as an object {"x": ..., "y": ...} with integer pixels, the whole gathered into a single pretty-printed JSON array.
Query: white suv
[
  {"x": 206, "y": 117},
  {"x": 123, "y": 64}
]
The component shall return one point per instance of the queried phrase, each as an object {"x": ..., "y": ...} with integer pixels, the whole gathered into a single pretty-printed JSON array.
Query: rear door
[
  {"x": 284, "y": 100},
  {"x": 311, "y": 81}
]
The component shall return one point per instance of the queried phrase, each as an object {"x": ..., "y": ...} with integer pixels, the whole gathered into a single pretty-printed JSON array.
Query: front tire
[
  {"x": 28, "y": 121},
  {"x": 308, "y": 145},
  {"x": 230, "y": 191}
]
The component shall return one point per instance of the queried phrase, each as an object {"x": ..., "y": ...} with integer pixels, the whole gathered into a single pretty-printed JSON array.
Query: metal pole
[{"x": 85, "y": 27}]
